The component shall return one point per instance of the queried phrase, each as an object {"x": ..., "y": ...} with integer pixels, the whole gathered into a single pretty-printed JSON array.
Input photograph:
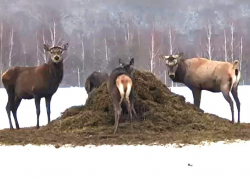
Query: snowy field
[
  {"x": 215, "y": 161},
  {"x": 66, "y": 97}
]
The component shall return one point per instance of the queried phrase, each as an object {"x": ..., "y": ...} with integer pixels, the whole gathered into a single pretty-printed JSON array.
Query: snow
[{"x": 214, "y": 161}]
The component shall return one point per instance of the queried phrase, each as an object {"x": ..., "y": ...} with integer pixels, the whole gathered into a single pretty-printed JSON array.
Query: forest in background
[{"x": 100, "y": 32}]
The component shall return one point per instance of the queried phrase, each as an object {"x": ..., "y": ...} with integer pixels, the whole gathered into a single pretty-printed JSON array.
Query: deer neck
[
  {"x": 180, "y": 72},
  {"x": 56, "y": 71}
]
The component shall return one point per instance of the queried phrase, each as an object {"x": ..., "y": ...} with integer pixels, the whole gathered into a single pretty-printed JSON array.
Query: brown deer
[
  {"x": 95, "y": 80},
  {"x": 34, "y": 82},
  {"x": 121, "y": 89},
  {"x": 202, "y": 74}
]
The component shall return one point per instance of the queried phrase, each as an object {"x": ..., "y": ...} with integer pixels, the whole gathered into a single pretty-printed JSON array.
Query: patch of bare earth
[{"x": 163, "y": 117}]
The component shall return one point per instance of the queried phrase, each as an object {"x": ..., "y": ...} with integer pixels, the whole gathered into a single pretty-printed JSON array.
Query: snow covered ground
[
  {"x": 216, "y": 161},
  {"x": 66, "y": 97}
]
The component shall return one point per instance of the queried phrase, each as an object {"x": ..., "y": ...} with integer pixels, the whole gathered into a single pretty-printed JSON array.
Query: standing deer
[
  {"x": 202, "y": 74},
  {"x": 34, "y": 82},
  {"x": 95, "y": 80},
  {"x": 121, "y": 89}
]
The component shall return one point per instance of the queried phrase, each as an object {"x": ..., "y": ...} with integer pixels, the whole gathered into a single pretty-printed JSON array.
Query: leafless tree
[
  {"x": 225, "y": 45},
  {"x": 232, "y": 41},
  {"x": 1, "y": 48},
  {"x": 11, "y": 44},
  {"x": 209, "y": 37}
]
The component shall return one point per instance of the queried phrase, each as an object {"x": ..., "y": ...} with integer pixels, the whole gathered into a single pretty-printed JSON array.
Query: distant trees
[{"x": 100, "y": 34}]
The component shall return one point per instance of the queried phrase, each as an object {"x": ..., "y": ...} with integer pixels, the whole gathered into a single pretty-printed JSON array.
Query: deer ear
[
  {"x": 65, "y": 46},
  {"x": 46, "y": 47},
  {"x": 132, "y": 61},
  {"x": 180, "y": 54},
  {"x": 120, "y": 62}
]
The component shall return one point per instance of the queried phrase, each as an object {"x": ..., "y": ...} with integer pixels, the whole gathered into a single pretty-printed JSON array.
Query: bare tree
[
  {"x": 1, "y": 48},
  {"x": 11, "y": 44},
  {"x": 152, "y": 52},
  {"x": 240, "y": 53},
  {"x": 106, "y": 51},
  {"x": 209, "y": 44},
  {"x": 83, "y": 60},
  {"x": 225, "y": 46},
  {"x": 44, "y": 54},
  {"x": 24, "y": 53},
  {"x": 232, "y": 41},
  {"x": 37, "y": 50},
  {"x": 170, "y": 35}
]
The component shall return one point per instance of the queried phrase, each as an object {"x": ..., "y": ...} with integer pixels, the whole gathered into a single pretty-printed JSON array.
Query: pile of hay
[
  {"x": 158, "y": 109},
  {"x": 163, "y": 117}
]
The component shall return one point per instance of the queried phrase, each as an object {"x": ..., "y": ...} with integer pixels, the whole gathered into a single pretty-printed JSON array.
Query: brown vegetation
[{"x": 163, "y": 117}]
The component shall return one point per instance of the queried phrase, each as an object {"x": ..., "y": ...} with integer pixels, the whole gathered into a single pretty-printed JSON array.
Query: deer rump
[
  {"x": 95, "y": 80},
  {"x": 121, "y": 89}
]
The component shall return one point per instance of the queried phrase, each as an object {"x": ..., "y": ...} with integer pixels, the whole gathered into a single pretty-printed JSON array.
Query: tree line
[{"x": 101, "y": 32}]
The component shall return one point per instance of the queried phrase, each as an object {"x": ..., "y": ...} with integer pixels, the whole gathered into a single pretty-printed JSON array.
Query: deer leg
[
  {"x": 129, "y": 112},
  {"x": 47, "y": 101},
  {"x": 118, "y": 111},
  {"x": 236, "y": 98},
  {"x": 197, "y": 97},
  {"x": 8, "y": 108},
  {"x": 14, "y": 111},
  {"x": 225, "y": 92},
  {"x": 133, "y": 110},
  {"x": 37, "y": 102}
]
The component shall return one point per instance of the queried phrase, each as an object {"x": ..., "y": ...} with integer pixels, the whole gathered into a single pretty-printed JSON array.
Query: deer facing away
[
  {"x": 121, "y": 89},
  {"x": 95, "y": 80},
  {"x": 34, "y": 82},
  {"x": 202, "y": 74}
]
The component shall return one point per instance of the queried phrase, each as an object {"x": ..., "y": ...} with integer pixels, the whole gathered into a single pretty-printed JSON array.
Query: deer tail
[
  {"x": 87, "y": 85},
  {"x": 236, "y": 78},
  {"x": 124, "y": 85},
  {"x": 236, "y": 67}
]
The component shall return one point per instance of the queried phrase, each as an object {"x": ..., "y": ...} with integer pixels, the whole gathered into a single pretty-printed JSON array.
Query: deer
[
  {"x": 202, "y": 74},
  {"x": 120, "y": 86},
  {"x": 95, "y": 80},
  {"x": 34, "y": 83}
]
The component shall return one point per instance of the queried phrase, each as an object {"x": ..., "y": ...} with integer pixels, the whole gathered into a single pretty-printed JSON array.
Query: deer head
[
  {"x": 128, "y": 67},
  {"x": 172, "y": 62},
  {"x": 56, "y": 52}
]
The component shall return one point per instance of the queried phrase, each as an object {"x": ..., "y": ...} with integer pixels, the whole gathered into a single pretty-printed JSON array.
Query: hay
[{"x": 163, "y": 117}]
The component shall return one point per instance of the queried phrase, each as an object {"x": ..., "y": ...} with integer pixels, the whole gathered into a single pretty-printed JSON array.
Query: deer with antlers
[
  {"x": 34, "y": 83},
  {"x": 202, "y": 74}
]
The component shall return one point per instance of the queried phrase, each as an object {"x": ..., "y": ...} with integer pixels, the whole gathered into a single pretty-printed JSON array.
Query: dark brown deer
[
  {"x": 95, "y": 80},
  {"x": 202, "y": 74},
  {"x": 121, "y": 89},
  {"x": 34, "y": 82}
]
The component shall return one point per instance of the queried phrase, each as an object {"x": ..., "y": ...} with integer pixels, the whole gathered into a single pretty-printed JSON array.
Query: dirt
[{"x": 163, "y": 117}]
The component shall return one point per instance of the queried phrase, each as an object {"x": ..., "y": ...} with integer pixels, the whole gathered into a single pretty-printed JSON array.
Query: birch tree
[
  {"x": 37, "y": 50},
  {"x": 1, "y": 48},
  {"x": 152, "y": 51},
  {"x": 209, "y": 43},
  {"x": 232, "y": 41},
  {"x": 11, "y": 44},
  {"x": 170, "y": 36},
  {"x": 225, "y": 46},
  {"x": 241, "y": 52}
]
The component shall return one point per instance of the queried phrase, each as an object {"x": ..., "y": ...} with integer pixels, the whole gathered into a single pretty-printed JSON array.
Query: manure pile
[{"x": 163, "y": 117}]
